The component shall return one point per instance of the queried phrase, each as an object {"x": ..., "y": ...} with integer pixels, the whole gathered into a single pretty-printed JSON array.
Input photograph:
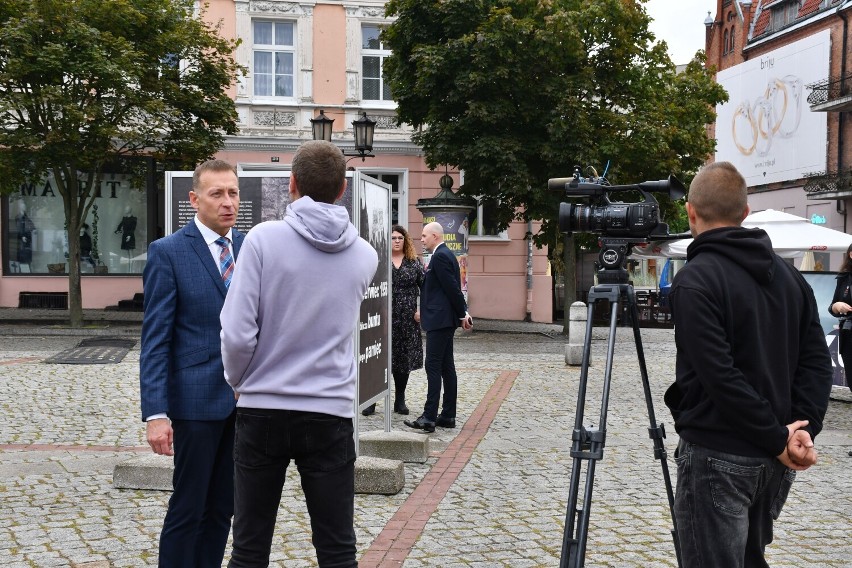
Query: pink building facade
[{"x": 301, "y": 57}]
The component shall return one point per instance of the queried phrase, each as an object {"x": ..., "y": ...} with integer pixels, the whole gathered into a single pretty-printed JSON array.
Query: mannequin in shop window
[
  {"x": 127, "y": 228},
  {"x": 86, "y": 247},
  {"x": 24, "y": 228}
]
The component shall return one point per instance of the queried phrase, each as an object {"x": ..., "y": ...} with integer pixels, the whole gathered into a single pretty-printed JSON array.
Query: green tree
[
  {"x": 516, "y": 92},
  {"x": 86, "y": 82}
]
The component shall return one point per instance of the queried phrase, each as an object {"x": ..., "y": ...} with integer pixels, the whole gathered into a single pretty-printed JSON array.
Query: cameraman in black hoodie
[{"x": 753, "y": 379}]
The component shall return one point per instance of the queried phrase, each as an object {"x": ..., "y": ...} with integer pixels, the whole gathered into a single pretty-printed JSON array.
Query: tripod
[{"x": 588, "y": 443}]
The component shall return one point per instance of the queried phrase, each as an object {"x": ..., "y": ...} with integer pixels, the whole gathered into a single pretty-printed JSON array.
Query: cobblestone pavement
[{"x": 64, "y": 428}]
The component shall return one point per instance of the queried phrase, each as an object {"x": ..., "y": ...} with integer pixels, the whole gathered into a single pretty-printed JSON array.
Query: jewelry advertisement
[{"x": 766, "y": 125}]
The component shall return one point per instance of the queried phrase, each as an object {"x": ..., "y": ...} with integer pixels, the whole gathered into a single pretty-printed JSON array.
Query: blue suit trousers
[{"x": 202, "y": 503}]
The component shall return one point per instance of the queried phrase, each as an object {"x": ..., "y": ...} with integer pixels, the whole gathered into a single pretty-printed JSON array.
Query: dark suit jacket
[
  {"x": 180, "y": 363},
  {"x": 441, "y": 301}
]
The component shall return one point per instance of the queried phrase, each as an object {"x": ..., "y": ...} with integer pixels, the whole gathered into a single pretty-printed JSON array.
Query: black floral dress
[{"x": 407, "y": 352}]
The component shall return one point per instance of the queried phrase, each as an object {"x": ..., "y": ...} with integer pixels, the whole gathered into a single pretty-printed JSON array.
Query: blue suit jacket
[
  {"x": 441, "y": 300},
  {"x": 180, "y": 363}
]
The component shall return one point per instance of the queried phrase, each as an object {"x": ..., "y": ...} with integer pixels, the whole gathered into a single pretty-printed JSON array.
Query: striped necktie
[{"x": 226, "y": 261}]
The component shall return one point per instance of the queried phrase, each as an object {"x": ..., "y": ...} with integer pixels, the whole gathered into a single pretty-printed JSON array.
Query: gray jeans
[{"x": 725, "y": 505}]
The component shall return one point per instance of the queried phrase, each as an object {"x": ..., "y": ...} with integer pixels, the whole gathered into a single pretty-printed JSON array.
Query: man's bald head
[
  {"x": 434, "y": 228},
  {"x": 433, "y": 235},
  {"x": 718, "y": 197}
]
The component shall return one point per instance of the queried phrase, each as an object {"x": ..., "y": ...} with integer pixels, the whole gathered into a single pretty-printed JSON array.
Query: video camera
[
  {"x": 621, "y": 225},
  {"x": 613, "y": 218}
]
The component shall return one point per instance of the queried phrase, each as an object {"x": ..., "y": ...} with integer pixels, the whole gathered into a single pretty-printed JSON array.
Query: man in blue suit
[
  {"x": 442, "y": 310},
  {"x": 186, "y": 403}
]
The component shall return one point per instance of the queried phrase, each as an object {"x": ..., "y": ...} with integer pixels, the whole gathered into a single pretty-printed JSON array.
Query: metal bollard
[{"x": 577, "y": 316}]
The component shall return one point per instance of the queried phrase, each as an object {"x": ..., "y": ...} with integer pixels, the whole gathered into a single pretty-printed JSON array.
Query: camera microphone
[{"x": 559, "y": 184}]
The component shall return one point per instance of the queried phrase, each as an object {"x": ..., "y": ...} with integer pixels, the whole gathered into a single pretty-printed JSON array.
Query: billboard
[{"x": 766, "y": 129}]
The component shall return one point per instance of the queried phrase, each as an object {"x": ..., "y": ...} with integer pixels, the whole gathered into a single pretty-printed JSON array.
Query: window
[
  {"x": 399, "y": 207},
  {"x": 373, "y": 54},
  {"x": 483, "y": 222},
  {"x": 393, "y": 181},
  {"x": 783, "y": 13},
  {"x": 274, "y": 55},
  {"x": 113, "y": 239},
  {"x": 725, "y": 49}
]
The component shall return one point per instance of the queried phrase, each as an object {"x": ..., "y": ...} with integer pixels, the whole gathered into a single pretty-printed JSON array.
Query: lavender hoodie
[{"x": 291, "y": 311}]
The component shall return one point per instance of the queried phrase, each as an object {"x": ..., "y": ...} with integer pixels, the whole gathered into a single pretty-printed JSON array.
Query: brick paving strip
[
  {"x": 392, "y": 546},
  {"x": 20, "y": 360},
  {"x": 71, "y": 448}
]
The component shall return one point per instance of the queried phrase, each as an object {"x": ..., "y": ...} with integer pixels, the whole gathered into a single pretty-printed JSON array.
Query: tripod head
[{"x": 612, "y": 259}]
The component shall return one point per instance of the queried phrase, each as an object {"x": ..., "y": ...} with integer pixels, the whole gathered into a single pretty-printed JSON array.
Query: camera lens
[{"x": 614, "y": 219}]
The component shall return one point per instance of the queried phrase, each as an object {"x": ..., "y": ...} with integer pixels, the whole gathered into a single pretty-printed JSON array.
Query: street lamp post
[{"x": 363, "y": 127}]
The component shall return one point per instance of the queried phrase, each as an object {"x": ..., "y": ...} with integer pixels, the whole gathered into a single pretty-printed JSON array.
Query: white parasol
[{"x": 791, "y": 237}]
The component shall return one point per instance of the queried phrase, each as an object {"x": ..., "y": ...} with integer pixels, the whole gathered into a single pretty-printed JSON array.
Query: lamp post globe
[
  {"x": 364, "y": 130},
  {"x": 321, "y": 127}
]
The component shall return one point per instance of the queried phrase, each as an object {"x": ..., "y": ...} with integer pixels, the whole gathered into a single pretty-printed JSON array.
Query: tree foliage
[
  {"x": 83, "y": 82},
  {"x": 515, "y": 92}
]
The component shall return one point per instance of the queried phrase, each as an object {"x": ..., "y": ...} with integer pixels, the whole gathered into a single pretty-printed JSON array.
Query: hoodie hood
[
  {"x": 324, "y": 225},
  {"x": 749, "y": 248}
]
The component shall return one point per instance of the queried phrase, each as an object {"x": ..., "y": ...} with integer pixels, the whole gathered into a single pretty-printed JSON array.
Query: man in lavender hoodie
[{"x": 288, "y": 350}]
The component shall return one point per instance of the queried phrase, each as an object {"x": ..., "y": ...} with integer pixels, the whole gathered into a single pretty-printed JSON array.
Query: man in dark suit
[
  {"x": 186, "y": 403},
  {"x": 442, "y": 310}
]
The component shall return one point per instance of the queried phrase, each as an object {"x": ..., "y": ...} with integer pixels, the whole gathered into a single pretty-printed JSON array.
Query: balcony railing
[
  {"x": 829, "y": 90},
  {"x": 829, "y": 184}
]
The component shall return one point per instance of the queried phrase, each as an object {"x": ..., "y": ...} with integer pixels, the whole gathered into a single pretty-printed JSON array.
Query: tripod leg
[
  {"x": 570, "y": 544},
  {"x": 655, "y": 431},
  {"x": 588, "y": 444}
]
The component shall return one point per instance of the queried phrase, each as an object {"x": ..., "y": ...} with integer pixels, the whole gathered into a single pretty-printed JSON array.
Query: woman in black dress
[
  {"x": 407, "y": 351},
  {"x": 841, "y": 307}
]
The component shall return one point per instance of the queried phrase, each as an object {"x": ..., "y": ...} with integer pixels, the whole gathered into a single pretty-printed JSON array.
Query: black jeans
[
  {"x": 323, "y": 448},
  {"x": 440, "y": 368},
  {"x": 725, "y": 506}
]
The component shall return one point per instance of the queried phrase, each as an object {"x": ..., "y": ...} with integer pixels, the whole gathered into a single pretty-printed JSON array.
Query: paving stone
[{"x": 59, "y": 506}]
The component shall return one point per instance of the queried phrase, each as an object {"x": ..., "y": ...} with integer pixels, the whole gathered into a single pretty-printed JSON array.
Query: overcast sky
[{"x": 681, "y": 24}]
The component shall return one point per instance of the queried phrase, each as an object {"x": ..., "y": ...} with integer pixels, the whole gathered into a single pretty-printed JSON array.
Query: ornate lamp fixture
[{"x": 364, "y": 129}]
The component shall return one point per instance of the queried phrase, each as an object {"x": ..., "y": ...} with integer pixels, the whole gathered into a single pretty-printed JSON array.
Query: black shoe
[
  {"x": 421, "y": 424},
  {"x": 369, "y": 410},
  {"x": 445, "y": 422},
  {"x": 400, "y": 408}
]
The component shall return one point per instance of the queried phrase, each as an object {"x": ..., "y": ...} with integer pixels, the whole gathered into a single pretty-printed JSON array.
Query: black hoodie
[{"x": 751, "y": 355}]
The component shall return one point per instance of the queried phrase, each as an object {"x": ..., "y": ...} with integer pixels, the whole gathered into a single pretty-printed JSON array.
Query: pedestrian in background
[
  {"x": 753, "y": 379},
  {"x": 841, "y": 307},
  {"x": 442, "y": 310},
  {"x": 187, "y": 406},
  {"x": 288, "y": 348},
  {"x": 407, "y": 340}
]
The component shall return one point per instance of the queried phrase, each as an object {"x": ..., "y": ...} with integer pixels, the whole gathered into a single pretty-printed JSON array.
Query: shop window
[
  {"x": 373, "y": 54},
  {"x": 483, "y": 221},
  {"x": 113, "y": 240},
  {"x": 274, "y": 54}
]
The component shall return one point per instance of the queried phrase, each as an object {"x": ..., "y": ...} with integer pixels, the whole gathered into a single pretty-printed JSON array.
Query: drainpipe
[
  {"x": 840, "y": 121},
  {"x": 529, "y": 271}
]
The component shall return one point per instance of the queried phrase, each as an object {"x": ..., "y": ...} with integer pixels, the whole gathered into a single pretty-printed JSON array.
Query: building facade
[
  {"x": 787, "y": 126},
  {"x": 301, "y": 57}
]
